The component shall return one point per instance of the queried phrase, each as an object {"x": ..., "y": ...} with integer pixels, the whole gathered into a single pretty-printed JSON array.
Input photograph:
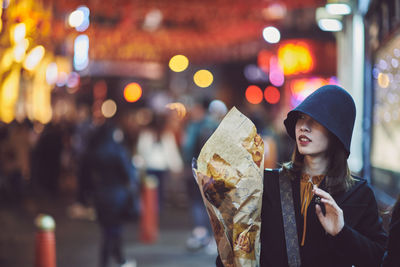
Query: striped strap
[{"x": 289, "y": 220}]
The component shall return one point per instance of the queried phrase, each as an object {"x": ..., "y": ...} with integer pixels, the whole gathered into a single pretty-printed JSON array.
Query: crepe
[{"x": 229, "y": 173}]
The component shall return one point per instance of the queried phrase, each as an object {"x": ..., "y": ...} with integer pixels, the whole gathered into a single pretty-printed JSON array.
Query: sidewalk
[{"x": 78, "y": 240}]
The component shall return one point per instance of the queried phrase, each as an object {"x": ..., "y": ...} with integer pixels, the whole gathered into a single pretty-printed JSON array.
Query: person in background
[
  {"x": 392, "y": 254},
  {"x": 15, "y": 151},
  {"x": 81, "y": 208},
  {"x": 46, "y": 159},
  {"x": 159, "y": 152},
  {"x": 83, "y": 130},
  {"x": 112, "y": 177},
  {"x": 205, "y": 117},
  {"x": 334, "y": 220}
]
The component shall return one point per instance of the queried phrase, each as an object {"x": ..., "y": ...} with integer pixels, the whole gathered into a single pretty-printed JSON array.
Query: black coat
[
  {"x": 392, "y": 255},
  {"x": 360, "y": 243}
]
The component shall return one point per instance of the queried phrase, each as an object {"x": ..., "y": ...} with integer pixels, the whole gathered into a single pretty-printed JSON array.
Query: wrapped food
[{"x": 229, "y": 173}]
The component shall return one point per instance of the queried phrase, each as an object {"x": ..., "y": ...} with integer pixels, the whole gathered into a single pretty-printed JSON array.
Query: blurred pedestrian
[
  {"x": 159, "y": 152},
  {"x": 113, "y": 179},
  {"x": 15, "y": 159},
  {"x": 46, "y": 159},
  {"x": 82, "y": 208},
  {"x": 392, "y": 254},
  {"x": 80, "y": 138}
]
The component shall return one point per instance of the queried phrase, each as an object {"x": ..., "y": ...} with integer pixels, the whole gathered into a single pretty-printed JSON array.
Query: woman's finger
[
  {"x": 319, "y": 212},
  {"x": 329, "y": 202},
  {"x": 321, "y": 193}
]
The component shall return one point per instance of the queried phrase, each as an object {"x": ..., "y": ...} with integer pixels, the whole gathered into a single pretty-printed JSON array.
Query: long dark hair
[{"x": 338, "y": 176}]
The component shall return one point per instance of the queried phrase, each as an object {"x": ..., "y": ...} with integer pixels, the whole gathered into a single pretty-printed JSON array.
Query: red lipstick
[{"x": 304, "y": 140}]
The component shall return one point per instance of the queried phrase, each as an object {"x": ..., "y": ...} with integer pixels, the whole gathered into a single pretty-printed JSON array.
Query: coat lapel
[{"x": 341, "y": 198}]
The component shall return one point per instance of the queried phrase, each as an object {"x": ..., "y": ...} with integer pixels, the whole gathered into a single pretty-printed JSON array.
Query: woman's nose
[{"x": 304, "y": 126}]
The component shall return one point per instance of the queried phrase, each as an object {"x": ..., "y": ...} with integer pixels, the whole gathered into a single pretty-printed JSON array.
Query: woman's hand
[{"x": 333, "y": 220}]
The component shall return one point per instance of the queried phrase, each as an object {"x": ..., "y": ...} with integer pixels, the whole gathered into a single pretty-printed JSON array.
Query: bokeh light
[
  {"x": 20, "y": 49},
  {"x": 51, "y": 73},
  {"x": 274, "y": 11},
  {"x": 79, "y": 19},
  {"x": 254, "y": 94},
  {"x": 276, "y": 76},
  {"x": 18, "y": 33},
  {"x": 271, "y": 35},
  {"x": 272, "y": 95},
  {"x": 295, "y": 58},
  {"x": 383, "y": 80},
  {"x": 34, "y": 57},
  {"x": 152, "y": 20},
  {"x": 217, "y": 109},
  {"x": 338, "y": 8},
  {"x": 203, "y": 78},
  {"x": 76, "y": 18},
  {"x": 86, "y": 19},
  {"x": 330, "y": 25},
  {"x": 7, "y": 59},
  {"x": 108, "y": 108},
  {"x": 178, "y": 63},
  {"x": 81, "y": 52},
  {"x": 254, "y": 74},
  {"x": 8, "y": 95},
  {"x": 132, "y": 92}
]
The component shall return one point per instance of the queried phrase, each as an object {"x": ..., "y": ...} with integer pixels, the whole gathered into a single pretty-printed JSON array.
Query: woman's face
[{"x": 311, "y": 137}]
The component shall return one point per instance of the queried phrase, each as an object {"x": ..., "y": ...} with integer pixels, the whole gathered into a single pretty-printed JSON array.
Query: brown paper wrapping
[{"x": 230, "y": 177}]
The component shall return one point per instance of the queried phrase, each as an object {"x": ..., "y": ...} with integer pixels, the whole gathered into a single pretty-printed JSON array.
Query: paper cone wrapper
[{"x": 229, "y": 173}]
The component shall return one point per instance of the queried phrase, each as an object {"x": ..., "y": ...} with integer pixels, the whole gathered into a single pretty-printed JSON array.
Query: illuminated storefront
[{"x": 383, "y": 72}]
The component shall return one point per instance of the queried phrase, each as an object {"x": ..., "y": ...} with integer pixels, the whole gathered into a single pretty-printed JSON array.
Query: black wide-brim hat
[{"x": 331, "y": 106}]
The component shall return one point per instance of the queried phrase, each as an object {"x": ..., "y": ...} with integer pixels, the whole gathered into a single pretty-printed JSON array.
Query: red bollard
[
  {"x": 45, "y": 249},
  {"x": 149, "y": 214}
]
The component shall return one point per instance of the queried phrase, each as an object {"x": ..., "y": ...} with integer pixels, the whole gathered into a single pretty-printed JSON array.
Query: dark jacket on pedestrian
[
  {"x": 360, "y": 243},
  {"x": 112, "y": 176},
  {"x": 392, "y": 254}
]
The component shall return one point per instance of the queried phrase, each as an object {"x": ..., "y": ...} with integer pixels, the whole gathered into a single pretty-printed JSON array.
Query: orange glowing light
[
  {"x": 254, "y": 94},
  {"x": 295, "y": 58},
  {"x": 132, "y": 92},
  {"x": 272, "y": 95}
]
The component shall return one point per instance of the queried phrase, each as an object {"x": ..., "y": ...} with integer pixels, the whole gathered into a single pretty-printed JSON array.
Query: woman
[
  {"x": 392, "y": 254},
  {"x": 335, "y": 214}
]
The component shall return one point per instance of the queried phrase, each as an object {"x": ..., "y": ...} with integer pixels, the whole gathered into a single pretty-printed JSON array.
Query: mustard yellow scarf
[{"x": 306, "y": 194}]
